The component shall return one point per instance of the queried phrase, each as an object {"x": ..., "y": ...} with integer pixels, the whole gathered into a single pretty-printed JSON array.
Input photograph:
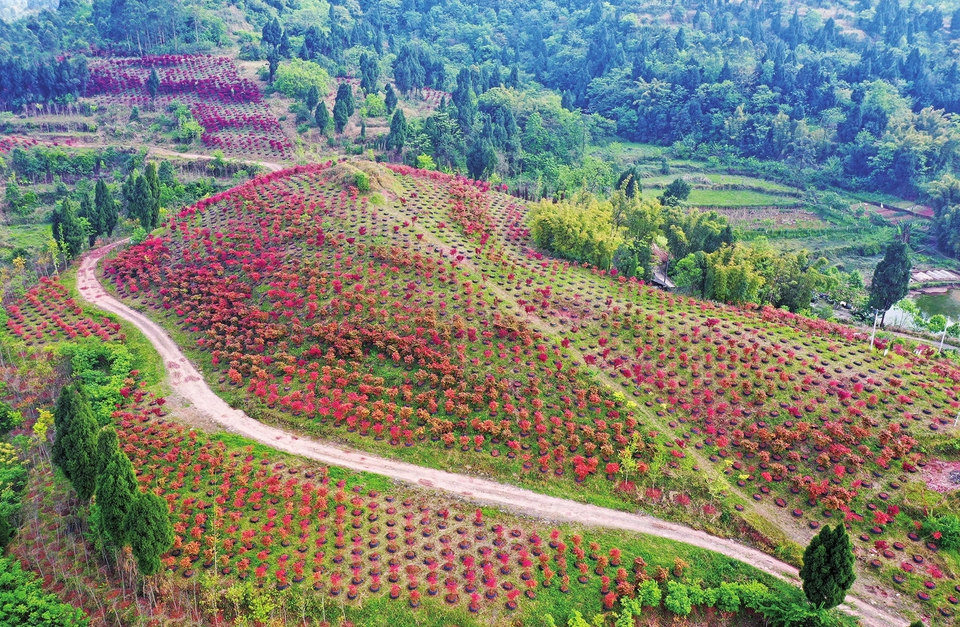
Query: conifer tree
[
  {"x": 340, "y": 115},
  {"x": 398, "y": 130},
  {"x": 153, "y": 83},
  {"x": 106, "y": 206},
  {"x": 345, "y": 94},
  {"x": 66, "y": 229},
  {"x": 313, "y": 97},
  {"x": 116, "y": 487},
  {"x": 153, "y": 184},
  {"x": 390, "y": 99},
  {"x": 91, "y": 212},
  {"x": 891, "y": 278},
  {"x": 75, "y": 447},
  {"x": 140, "y": 206},
  {"x": 149, "y": 531},
  {"x": 827, "y": 571},
  {"x": 322, "y": 117},
  {"x": 107, "y": 444}
]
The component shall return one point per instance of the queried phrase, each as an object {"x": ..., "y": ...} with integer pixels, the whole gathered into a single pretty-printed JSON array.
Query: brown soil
[{"x": 942, "y": 476}]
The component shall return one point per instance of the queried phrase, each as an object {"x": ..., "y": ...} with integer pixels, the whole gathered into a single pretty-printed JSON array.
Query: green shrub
[
  {"x": 362, "y": 181},
  {"x": 295, "y": 78},
  {"x": 648, "y": 593},
  {"x": 678, "y": 599},
  {"x": 23, "y": 601},
  {"x": 945, "y": 529}
]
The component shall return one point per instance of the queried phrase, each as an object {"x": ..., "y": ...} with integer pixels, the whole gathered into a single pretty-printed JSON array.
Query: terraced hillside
[{"x": 415, "y": 320}]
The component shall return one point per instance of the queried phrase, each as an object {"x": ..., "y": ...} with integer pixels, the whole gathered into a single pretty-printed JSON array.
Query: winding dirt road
[{"x": 188, "y": 382}]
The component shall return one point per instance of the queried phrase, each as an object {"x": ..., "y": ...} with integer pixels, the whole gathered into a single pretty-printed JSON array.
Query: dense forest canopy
[
  {"x": 858, "y": 94},
  {"x": 867, "y": 92}
]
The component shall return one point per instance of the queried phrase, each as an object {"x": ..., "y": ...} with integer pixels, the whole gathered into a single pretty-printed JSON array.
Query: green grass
[
  {"x": 737, "y": 198},
  {"x": 662, "y": 180},
  {"x": 29, "y": 236}
]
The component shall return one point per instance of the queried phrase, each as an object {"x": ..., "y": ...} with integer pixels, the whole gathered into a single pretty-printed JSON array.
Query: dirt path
[
  {"x": 188, "y": 382},
  {"x": 156, "y": 150}
]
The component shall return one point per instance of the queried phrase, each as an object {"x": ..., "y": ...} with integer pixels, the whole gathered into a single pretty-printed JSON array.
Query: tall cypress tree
[
  {"x": 398, "y": 130},
  {"x": 827, "y": 571},
  {"x": 891, "y": 278},
  {"x": 390, "y": 99},
  {"x": 153, "y": 184},
  {"x": 66, "y": 229},
  {"x": 149, "y": 531},
  {"x": 340, "y": 115},
  {"x": 106, "y": 207},
  {"x": 345, "y": 95},
  {"x": 313, "y": 97},
  {"x": 107, "y": 444},
  {"x": 116, "y": 486},
  {"x": 75, "y": 447},
  {"x": 153, "y": 83},
  {"x": 322, "y": 117},
  {"x": 139, "y": 207},
  {"x": 95, "y": 221}
]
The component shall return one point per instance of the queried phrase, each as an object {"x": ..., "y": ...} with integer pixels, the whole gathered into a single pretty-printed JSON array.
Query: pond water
[{"x": 947, "y": 304}]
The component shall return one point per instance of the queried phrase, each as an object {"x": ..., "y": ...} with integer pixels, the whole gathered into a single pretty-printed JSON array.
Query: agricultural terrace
[
  {"x": 359, "y": 545},
  {"x": 230, "y": 109},
  {"x": 419, "y": 322}
]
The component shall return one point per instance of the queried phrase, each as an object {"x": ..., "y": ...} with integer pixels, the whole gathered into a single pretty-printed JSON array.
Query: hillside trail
[
  {"x": 188, "y": 382},
  {"x": 156, "y": 150}
]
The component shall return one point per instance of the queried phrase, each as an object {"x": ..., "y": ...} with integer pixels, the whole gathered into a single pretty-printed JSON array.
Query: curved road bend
[{"x": 190, "y": 384}]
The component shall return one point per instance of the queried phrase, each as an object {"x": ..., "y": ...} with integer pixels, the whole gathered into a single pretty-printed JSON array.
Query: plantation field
[
  {"x": 230, "y": 109},
  {"x": 253, "y": 525},
  {"x": 418, "y": 321},
  {"x": 762, "y": 218}
]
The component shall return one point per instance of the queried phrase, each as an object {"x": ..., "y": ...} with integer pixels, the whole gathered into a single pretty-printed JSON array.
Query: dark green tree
[
  {"x": 116, "y": 492},
  {"x": 398, "y": 130},
  {"x": 313, "y": 97},
  {"x": 106, "y": 206},
  {"x": 891, "y": 278},
  {"x": 95, "y": 222},
  {"x": 481, "y": 159},
  {"x": 676, "y": 192},
  {"x": 127, "y": 191},
  {"x": 166, "y": 174},
  {"x": 322, "y": 117},
  {"x": 345, "y": 95},
  {"x": 107, "y": 444},
  {"x": 369, "y": 73},
  {"x": 271, "y": 33},
  {"x": 340, "y": 115},
  {"x": 153, "y": 184},
  {"x": 273, "y": 61},
  {"x": 390, "y": 99},
  {"x": 153, "y": 83},
  {"x": 66, "y": 228},
  {"x": 827, "y": 571},
  {"x": 75, "y": 446},
  {"x": 140, "y": 204},
  {"x": 149, "y": 531}
]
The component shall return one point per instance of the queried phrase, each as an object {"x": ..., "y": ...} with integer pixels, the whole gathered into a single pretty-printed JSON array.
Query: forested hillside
[{"x": 864, "y": 92}]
